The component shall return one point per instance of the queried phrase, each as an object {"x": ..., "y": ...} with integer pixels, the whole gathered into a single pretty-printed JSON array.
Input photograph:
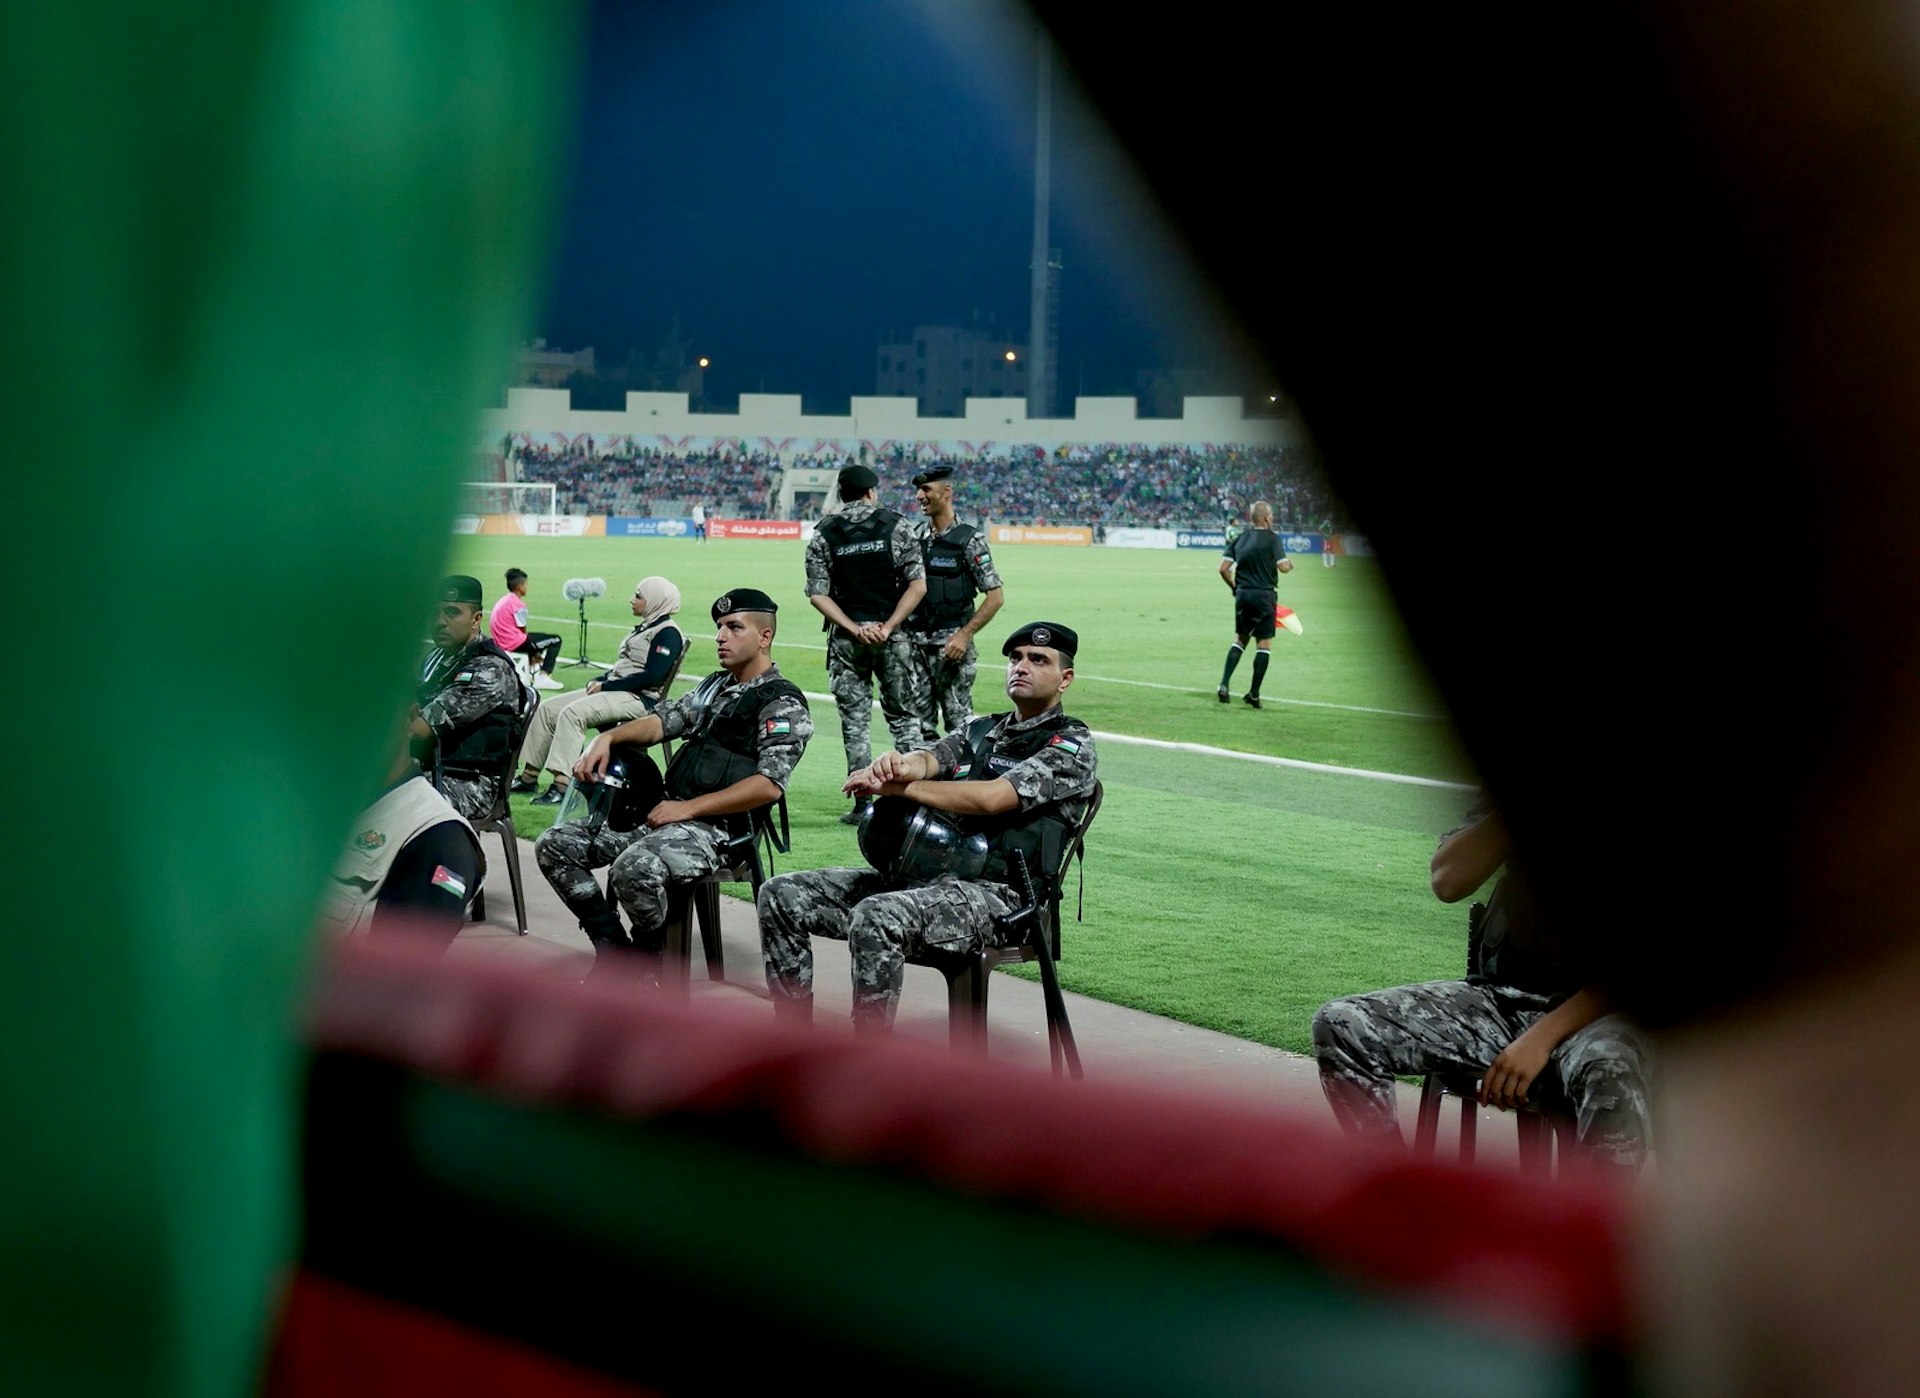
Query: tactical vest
[
  {"x": 361, "y": 870},
  {"x": 481, "y": 747},
  {"x": 950, "y": 589},
  {"x": 725, "y": 749},
  {"x": 1508, "y": 944},
  {"x": 860, "y": 568},
  {"x": 1040, "y": 833}
]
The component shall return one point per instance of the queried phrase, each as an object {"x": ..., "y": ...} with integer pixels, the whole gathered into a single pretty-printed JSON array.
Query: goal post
[{"x": 538, "y": 501}]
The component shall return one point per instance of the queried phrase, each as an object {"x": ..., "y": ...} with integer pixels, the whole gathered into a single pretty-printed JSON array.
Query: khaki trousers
[{"x": 558, "y": 734}]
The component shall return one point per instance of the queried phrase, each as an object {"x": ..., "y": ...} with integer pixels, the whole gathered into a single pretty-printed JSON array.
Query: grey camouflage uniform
[
  {"x": 852, "y": 667},
  {"x": 1601, "y": 1074},
  {"x": 883, "y": 922},
  {"x": 470, "y": 684},
  {"x": 943, "y": 689},
  {"x": 645, "y": 861}
]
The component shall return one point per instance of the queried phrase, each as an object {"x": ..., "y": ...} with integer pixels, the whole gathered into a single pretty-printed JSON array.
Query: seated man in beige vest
[
  {"x": 412, "y": 864},
  {"x": 633, "y": 688}
]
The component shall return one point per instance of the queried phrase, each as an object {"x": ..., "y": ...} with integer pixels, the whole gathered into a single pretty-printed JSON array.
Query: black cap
[
  {"x": 743, "y": 599},
  {"x": 1045, "y": 633},
  {"x": 932, "y": 474},
  {"x": 458, "y": 587},
  {"x": 857, "y": 480}
]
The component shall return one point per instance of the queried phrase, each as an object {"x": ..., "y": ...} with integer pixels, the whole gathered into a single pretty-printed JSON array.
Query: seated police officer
[
  {"x": 411, "y": 866},
  {"x": 743, "y": 730},
  {"x": 1522, "y": 1022},
  {"x": 471, "y": 706},
  {"x": 941, "y": 629},
  {"x": 1021, "y": 780}
]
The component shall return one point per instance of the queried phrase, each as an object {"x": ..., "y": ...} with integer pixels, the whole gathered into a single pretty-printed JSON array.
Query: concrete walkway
[{"x": 1114, "y": 1042}]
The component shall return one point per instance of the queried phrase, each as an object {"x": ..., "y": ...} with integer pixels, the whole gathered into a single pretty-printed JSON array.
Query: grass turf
[{"x": 1221, "y": 892}]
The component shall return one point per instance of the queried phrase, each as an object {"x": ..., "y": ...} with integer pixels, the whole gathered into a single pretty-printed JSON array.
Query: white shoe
[{"x": 546, "y": 681}]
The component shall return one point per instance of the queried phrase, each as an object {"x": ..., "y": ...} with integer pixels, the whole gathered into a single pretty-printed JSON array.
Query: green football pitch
[{"x": 1273, "y": 859}]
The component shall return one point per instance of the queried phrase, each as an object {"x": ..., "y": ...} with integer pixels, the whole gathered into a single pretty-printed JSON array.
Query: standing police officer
[
  {"x": 942, "y": 627},
  {"x": 1020, "y": 779},
  {"x": 745, "y": 728},
  {"x": 864, "y": 575},
  {"x": 471, "y": 705},
  {"x": 1252, "y": 566}
]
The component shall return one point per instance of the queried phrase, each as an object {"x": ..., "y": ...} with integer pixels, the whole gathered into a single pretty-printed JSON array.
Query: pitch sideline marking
[
  {"x": 1207, "y": 750},
  {"x": 1114, "y": 679}
]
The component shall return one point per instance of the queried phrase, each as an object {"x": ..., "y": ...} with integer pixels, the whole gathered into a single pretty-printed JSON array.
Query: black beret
[
  {"x": 744, "y": 599},
  {"x": 1045, "y": 633},
  {"x": 857, "y": 480},
  {"x": 458, "y": 587},
  {"x": 932, "y": 474}
]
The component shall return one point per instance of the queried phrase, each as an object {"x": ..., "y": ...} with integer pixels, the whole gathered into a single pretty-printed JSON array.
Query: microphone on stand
[{"x": 578, "y": 590}]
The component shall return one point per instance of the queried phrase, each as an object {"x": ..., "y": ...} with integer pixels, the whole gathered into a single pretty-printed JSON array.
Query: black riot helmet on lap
[
  {"x": 908, "y": 841},
  {"x": 620, "y": 800}
]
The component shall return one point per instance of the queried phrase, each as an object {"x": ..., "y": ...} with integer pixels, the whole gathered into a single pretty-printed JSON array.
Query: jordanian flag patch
[
  {"x": 443, "y": 877},
  {"x": 778, "y": 725},
  {"x": 1062, "y": 741}
]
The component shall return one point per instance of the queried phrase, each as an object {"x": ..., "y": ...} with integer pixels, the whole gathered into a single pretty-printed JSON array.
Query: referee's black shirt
[{"x": 1256, "y": 555}]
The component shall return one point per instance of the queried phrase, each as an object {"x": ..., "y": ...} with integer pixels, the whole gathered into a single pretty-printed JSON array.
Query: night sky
[{"x": 793, "y": 178}]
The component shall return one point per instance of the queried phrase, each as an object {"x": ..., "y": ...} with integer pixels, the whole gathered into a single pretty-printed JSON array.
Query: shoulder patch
[
  {"x": 443, "y": 877},
  {"x": 1061, "y": 740},
  {"x": 367, "y": 841}
]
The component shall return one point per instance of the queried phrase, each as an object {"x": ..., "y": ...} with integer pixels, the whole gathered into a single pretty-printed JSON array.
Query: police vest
[
  {"x": 1041, "y": 833},
  {"x": 950, "y": 589},
  {"x": 483, "y": 745},
  {"x": 1509, "y": 944},
  {"x": 385, "y": 828},
  {"x": 860, "y": 570},
  {"x": 725, "y": 748}
]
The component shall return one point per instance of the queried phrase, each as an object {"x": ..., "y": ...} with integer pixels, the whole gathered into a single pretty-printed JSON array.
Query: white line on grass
[
  {"x": 1138, "y": 684},
  {"x": 1206, "y": 750}
]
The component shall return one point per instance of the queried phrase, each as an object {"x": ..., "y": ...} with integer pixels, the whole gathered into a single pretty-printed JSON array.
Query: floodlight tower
[{"x": 1043, "y": 337}]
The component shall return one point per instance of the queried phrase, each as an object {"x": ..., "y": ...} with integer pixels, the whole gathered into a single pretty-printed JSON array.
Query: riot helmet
[
  {"x": 620, "y": 800},
  {"x": 910, "y": 842}
]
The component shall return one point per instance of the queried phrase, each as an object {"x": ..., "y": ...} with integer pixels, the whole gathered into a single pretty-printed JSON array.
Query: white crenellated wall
[{"x": 990, "y": 424}]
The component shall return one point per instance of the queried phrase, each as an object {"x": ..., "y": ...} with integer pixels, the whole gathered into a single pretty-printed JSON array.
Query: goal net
[{"x": 534, "y": 502}]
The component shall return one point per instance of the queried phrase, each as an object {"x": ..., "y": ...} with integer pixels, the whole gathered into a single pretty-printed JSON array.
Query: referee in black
[{"x": 1252, "y": 566}]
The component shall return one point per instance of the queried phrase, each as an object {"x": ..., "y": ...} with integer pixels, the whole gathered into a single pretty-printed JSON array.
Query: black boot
[
  {"x": 609, "y": 937},
  {"x": 796, "y": 1009},
  {"x": 852, "y": 817}
]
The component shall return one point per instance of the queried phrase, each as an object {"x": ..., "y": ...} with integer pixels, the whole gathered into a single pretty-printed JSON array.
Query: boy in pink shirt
[{"x": 509, "y": 626}]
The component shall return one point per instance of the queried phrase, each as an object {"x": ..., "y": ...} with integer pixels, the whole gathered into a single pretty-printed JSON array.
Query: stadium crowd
[
  {"x": 1112, "y": 484},
  {"x": 620, "y": 478},
  {"x": 1105, "y": 485}
]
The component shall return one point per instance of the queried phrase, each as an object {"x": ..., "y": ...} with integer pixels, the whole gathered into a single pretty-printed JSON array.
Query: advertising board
[
  {"x": 1042, "y": 534},
  {"x": 651, "y": 527},
  {"x": 754, "y": 529},
  {"x": 1127, "y": 537}
]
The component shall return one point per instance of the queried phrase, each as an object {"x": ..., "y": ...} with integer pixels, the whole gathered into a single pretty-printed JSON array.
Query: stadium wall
[{"x": 774, "y": 422}]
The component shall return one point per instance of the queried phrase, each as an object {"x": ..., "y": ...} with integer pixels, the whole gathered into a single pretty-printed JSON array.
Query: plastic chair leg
[
  {"x": 512, "y": 842},
  {"x": 1427, "y": 1126}
]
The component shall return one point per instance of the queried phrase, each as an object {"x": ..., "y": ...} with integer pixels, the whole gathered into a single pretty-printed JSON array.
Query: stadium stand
[
  {"x": 1112, "y": 484},
  {"x": 1108, "y": 484},
  {"x": 622, "y": 479}
]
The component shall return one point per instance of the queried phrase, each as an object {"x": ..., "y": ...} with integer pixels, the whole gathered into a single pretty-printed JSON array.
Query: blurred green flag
[{"x": 262, "y": 264}]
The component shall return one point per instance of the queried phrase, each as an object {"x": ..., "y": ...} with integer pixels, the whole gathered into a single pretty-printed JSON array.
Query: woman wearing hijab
[{"x": 635, "y": 686}]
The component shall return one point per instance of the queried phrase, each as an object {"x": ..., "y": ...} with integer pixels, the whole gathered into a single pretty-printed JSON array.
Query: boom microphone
[{"x": 579, "y": 589}]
